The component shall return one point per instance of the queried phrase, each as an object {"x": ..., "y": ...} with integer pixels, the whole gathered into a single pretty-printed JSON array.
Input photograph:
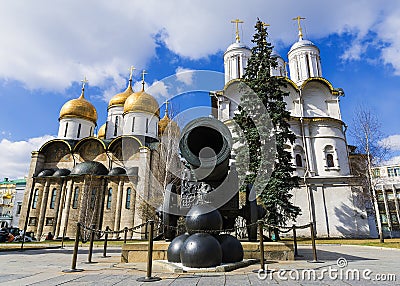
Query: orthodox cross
[
  {"x": 298, "y": 19},
  {"x": 84, "y": 81},
  {"x": 131, "y": 69},
  {"x": 237, "y": 22},
  {"x": 143, "y": 73}
]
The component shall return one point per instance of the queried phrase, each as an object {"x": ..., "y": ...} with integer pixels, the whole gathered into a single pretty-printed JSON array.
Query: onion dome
[
  {"x": 120, "y": 98},
  {"x": 165, "y": 123},
  {"x": 89, "y": 168},
  {"x": 142, "y": 102},
  {"x": 61, "y": 173},
  {"x": 102, "y": 132},
  {"x": 80, "y": 108}
]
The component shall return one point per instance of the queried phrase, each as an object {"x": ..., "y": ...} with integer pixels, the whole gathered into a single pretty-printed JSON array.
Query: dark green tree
[{"x": 260, "y": 125}]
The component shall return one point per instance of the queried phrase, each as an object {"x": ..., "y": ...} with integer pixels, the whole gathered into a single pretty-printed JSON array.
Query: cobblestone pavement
[{"x": 44, "y": 267}]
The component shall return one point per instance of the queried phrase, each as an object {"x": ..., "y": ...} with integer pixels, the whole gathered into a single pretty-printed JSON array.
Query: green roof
[{"x": 16, "y": 181}]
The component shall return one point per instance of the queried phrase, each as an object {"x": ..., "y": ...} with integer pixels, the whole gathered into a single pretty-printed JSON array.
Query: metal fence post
[
  {"x": 105, "y": 242},
  {"x": 148, "y": 277},
  {"x": 92, "y": 233},
  {"x": 125, "y": 233},
  {"x": 296, "y": 254},
  {"x": 314, "y": 247},
  {"x": 260, "y": 234},
  {"x": 75, "y": 253}
]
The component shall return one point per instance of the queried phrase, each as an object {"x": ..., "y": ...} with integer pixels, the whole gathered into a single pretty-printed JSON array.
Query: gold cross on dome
[
  {"x": 298, "y": 19},
  {"x": 265, "y": 24},
  {"x": 84, "y": 81},
  {"x": 143, "y": 73},
  {"x": 166, "y": 107},
  {"x": 237, "y": 22},
  {"x": 131, "y": 69}
]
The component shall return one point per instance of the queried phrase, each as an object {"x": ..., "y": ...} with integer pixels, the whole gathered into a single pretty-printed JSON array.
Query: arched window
[
  {"x": 75, "y": 199},
  {"x": 128, "y": 199},
  {"x": 116, "y": 126},
  {"x": 53, "y": 198},
  {"x": 79, "y": 130},
  {"x": 35, "y": 199},
  {"x": 147, "y": 125},
  {"x": 329, "y": 160},
  {"x": 109, "y": 198},
  {"x": 299, "y": 160},
  {"x": 133, "y": 124},
  {"x": 329, "y": 152}
]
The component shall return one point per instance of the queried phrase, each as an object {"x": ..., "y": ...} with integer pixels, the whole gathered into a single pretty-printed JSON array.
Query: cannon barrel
[{"x": 206, "y": 144}]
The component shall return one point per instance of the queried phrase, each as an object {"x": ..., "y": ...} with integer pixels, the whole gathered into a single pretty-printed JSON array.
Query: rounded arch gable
[
  {"x": 91, "y": 149},
  {"x": 124, "y": 147},
  {"x": 56, "y": 150}
]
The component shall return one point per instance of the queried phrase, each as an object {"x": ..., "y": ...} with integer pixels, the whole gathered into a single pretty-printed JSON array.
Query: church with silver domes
[{"x": 105, "y": 179}]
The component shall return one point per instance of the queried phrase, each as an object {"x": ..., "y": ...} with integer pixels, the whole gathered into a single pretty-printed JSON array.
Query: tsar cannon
[{"x": 209, "y": 178}]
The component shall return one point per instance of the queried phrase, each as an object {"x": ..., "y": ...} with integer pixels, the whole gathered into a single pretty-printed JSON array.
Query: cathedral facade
[
  {"x": 103, "y": 179},
  {"x": 329, "y": 195}
]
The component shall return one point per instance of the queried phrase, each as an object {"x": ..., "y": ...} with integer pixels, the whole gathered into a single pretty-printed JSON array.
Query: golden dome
[
  {"x": 102, "y": 132},
  {"x": 80, "y": 108},
  {"x": 142, "y": 101},
  {"x": 120, "y": 98},
  {"x": 165, "y": 123}
]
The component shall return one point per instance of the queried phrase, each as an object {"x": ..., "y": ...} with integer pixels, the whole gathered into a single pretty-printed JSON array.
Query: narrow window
[
  {"x": 147, "y": 125},
  {"x": 35, "y": 199},
  {"x": 109, "y": 198},
  {"x": 79, "y": 131},
  {"x": 329, "y": 160},
  {"x": 299, "y": 160},
  {"x": 93, "y": 199},
  {"x": 116, "y": 126},
  {"x": 53, "y": 198},
  {"x": 91, "y": 128},
  {"x": 75, "y": 199},
  {"x": 238, "y": 65},
  {"x": 66, "y": 129},
  {"x": 128, "y": 199},
  {"x": 19, "y": 206},
  {"x": 133, "y": 124},
  {"x": 308, "y": 65}
]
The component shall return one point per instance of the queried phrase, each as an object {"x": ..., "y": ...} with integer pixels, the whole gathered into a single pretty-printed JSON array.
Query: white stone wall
[
  {"x": 235, "y": 62},
  {"x": 114, "y": 113},
  {"x": 86, "y": 130},
  {"x": 140, "y": 124}
]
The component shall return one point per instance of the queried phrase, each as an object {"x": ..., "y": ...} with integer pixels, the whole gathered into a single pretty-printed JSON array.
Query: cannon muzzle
[{"x": 206, "y": 144}]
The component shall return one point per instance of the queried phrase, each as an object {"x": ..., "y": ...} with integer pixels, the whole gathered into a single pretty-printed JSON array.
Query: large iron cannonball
[
  {"x": 203, "y": 218},
  {"x": 201, "y": 250},
  {"x": 232, "y": 249},
  {"x": 174, "y": 248}
]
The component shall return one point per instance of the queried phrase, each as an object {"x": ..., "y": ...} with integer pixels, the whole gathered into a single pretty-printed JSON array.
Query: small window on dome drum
[{"x": 79, "y": 130}]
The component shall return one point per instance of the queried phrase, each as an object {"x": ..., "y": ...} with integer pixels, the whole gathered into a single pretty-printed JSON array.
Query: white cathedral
[{"x": 81, "y": 175}]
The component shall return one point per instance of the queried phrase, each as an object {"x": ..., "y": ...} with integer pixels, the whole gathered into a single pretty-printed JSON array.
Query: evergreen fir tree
[{"x": 275, "y": 192}]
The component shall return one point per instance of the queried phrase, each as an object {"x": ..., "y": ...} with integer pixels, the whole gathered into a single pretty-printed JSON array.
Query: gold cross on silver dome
[
  {"x": 237, "y": 22},
  {"x": 298, "y": 19}
]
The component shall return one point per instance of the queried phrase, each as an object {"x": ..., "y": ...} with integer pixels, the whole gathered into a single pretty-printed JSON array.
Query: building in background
[
  {"x": 11, "y": 196},
  {"x": 386, "y": 183}
]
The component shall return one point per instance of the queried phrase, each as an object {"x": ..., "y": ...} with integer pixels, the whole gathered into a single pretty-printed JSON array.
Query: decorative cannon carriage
[{"x": 209, "y": 177}]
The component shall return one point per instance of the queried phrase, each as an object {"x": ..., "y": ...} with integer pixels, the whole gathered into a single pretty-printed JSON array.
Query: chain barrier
[{"x": 101, "y": 233}]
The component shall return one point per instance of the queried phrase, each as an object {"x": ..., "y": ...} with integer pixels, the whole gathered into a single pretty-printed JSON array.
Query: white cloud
[
  {"x": 49, "y": 44},
  {"x": 392, "y": 142},
  {"x": 16, "y": 156},
  {"x": 184, "y": 75},
  {"x": 158, "y": 89}
]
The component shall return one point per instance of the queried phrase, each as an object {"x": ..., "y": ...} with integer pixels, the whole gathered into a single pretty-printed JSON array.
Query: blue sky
[{"x": 47, "y": 48}]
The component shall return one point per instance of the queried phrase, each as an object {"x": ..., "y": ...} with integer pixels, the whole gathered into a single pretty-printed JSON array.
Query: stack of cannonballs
[{"x": 204, "y": 247}]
